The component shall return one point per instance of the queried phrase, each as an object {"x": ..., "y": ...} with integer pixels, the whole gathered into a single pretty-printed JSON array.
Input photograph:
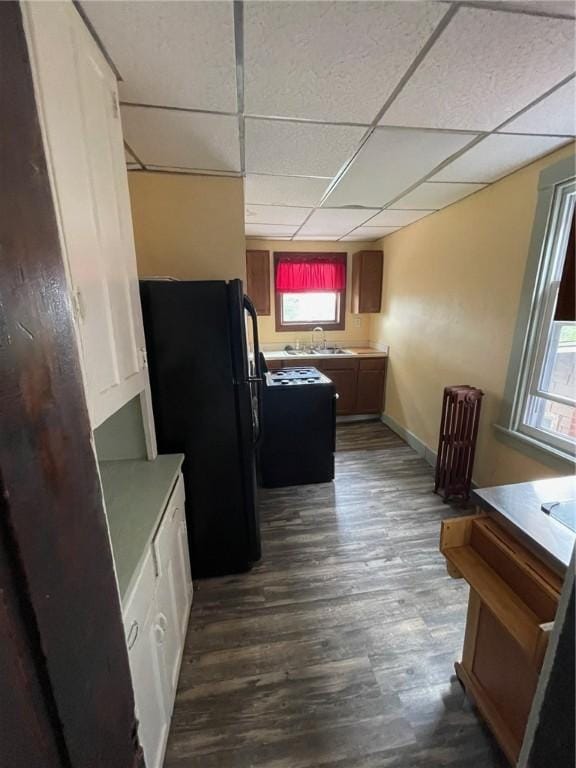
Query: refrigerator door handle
[{"x": 257, "y": 379}]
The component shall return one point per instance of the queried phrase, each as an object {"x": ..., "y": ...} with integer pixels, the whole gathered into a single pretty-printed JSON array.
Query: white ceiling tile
[
  {"x": 370, "y": 233},
  {"x": 497, "y": 156},
  {"x": 390, "y": 218},
  {"x": 335, "y": 61},
  {"x": 392, "y": 160},
  {"x": 435, "y": 195},
  {"x": 192, "y": 171},
  {"x": 317, "y": 238},
  {"x": 283, "y": 190},
  {"x": 171, "y": 54},
  {"x": 335, "y": 221},
  {"x": 554, "y": 114},
  {"x": 484, "y": 68},
  {"x": 554, "y": 7},
  {"x": 183, "y": 139},
  {"x": 304, "y": 149},
  {"x": 269, "y": 230},
  {"x": 275, "y": 214}
]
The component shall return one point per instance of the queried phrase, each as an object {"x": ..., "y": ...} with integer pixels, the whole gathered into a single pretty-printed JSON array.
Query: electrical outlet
[{"x": 357, "y": 322}]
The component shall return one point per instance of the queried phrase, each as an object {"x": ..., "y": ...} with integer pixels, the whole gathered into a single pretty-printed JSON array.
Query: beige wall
[
  {"x": 191, "y": 227},
  {"x": 451, "y": 290},
  {"x": 357, "y": 326}
]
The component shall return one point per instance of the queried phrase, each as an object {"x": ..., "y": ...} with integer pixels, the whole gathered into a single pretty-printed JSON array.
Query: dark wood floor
[{"x": 338, "y": 649}]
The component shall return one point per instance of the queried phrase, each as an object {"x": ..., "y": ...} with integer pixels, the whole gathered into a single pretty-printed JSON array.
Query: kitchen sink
[{"x": 310, "y": 352}]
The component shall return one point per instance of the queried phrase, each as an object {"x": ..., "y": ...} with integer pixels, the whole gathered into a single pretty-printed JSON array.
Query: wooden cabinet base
[
  {"x": 512, "y": 604},
  {"x": 497, "y": 724},
  {"x": 360, "y": 382}
]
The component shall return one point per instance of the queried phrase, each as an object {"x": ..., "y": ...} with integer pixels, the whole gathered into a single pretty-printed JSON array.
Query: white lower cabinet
[
  {"x": 155, "y": 622},
  {"x": 147, "y": 674}
]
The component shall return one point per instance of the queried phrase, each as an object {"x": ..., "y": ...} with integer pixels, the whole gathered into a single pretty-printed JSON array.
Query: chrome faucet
[{"x": 323, "y": 342}]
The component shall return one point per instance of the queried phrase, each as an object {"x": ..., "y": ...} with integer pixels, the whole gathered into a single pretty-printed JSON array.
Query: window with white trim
[{"x": 545, "y": 403}]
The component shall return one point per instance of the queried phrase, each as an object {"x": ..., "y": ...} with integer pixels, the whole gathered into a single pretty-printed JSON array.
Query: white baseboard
[{"x": 409, "y": 437}]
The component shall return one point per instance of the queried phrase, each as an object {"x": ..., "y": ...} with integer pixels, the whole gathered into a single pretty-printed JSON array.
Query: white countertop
[{"x": 281, "y": 354}]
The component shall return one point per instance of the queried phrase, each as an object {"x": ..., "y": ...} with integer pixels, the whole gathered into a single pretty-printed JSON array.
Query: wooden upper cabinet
[
  {"x": 258, "y": 280},
  {"x": 367, "y": 281}
]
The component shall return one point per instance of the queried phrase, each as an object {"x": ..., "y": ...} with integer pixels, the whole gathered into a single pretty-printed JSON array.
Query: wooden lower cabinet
[
  {"x": 370, "y": 391},
  {"x": 345, "y": 382},
  {"x": 360, "y": 382},
  {"x": 513, "y": 601}
]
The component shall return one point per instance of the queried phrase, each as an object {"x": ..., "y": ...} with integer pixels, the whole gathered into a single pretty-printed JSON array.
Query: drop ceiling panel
[
  {"x": 283, "y": 190},
  {"x": 554, "y": 114},
  {"x": 335, "y": 222},
  {"x": 485, "y": 67},
  {"x": 435, "y": 195},
  {"x": 392, "y": 160},
  {"x": 269, "y": 230},
  {"x": 275, "y": 214},
  {"x": 370, "y": 233},
  {"x": 390, "y": 218},
  {"x": 554, "y": 7},
  {"x": 336, "y": 61},
  {"x": 131, "y": 162},
  {"x": 182, "y": 139},
  {"x": 304, "y": 149},
  {"x": 497, "y": 156},
  {"x": 170, "y": 54},
  {"x": 317, "y": 238}
]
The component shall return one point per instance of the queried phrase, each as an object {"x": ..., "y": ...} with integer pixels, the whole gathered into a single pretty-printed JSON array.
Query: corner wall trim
[{"x": 409, "y": 437}]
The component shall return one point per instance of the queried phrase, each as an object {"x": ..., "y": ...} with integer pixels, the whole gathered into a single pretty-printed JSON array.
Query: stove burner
[{"x": 295, "y": 377}]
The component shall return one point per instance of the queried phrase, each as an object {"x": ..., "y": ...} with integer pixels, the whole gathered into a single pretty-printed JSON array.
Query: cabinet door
[
  {"x": 81, "y": 127},
  {"x": 370, "y": 393},
  {"x": 367, "y": 281},
  {"x": 258, "y": 280},
  {"x": 144, "y": 654},
  {"x": 182, "y": 575},
  {"x": 345, "y": 383},
  {"x": 168, "y": 631}
]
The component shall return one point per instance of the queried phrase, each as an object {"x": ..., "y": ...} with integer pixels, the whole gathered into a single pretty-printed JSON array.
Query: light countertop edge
[
  {"x": 136, "y": 493},
  {"x": 349, "y": 352},
  {"x": 518, "y": 506}
]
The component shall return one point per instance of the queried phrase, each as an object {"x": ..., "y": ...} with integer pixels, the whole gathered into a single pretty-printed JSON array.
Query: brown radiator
[{"x": 457, "y": 442}]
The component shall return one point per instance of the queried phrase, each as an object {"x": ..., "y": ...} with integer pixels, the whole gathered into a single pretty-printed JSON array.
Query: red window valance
[{"x": 310, "y": 276}]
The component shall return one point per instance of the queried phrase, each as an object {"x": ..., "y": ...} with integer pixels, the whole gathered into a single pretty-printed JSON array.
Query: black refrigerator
[{"x": 206, "y": 396}]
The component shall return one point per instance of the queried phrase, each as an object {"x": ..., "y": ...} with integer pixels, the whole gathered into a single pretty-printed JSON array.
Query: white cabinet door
[
  {"x": 144, "y": 638},
  {"x": 78, "y": 105},
  {"x": 167, "y": 620},
  {"x": 146, "y": 662},
  {"x": 174, "y": 591},
  {"x": 182, "y": 576}
]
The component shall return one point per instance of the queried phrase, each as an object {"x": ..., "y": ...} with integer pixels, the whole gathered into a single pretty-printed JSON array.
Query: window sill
[{"x": 536, "y": 449}]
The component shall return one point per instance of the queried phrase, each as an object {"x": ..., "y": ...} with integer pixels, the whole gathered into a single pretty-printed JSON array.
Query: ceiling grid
[{"x": 344, "y": 123}]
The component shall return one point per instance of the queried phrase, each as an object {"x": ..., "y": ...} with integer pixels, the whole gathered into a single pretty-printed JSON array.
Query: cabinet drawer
[
  {"x": 163, "y": 542},
  {"x": 518, "y": 589},
  {"x": 138, "y": 604},
  {"x": 300, "y": 362},
  {"x": 373, "y": 364},
  {"x": 337, "y": 363}
]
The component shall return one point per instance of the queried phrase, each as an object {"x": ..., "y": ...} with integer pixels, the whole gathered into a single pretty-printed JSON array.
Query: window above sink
[{"x": 310, "y": 290}]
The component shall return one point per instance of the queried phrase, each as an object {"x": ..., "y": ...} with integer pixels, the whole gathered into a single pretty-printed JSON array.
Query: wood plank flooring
[{"x": 338, "y": 649}]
